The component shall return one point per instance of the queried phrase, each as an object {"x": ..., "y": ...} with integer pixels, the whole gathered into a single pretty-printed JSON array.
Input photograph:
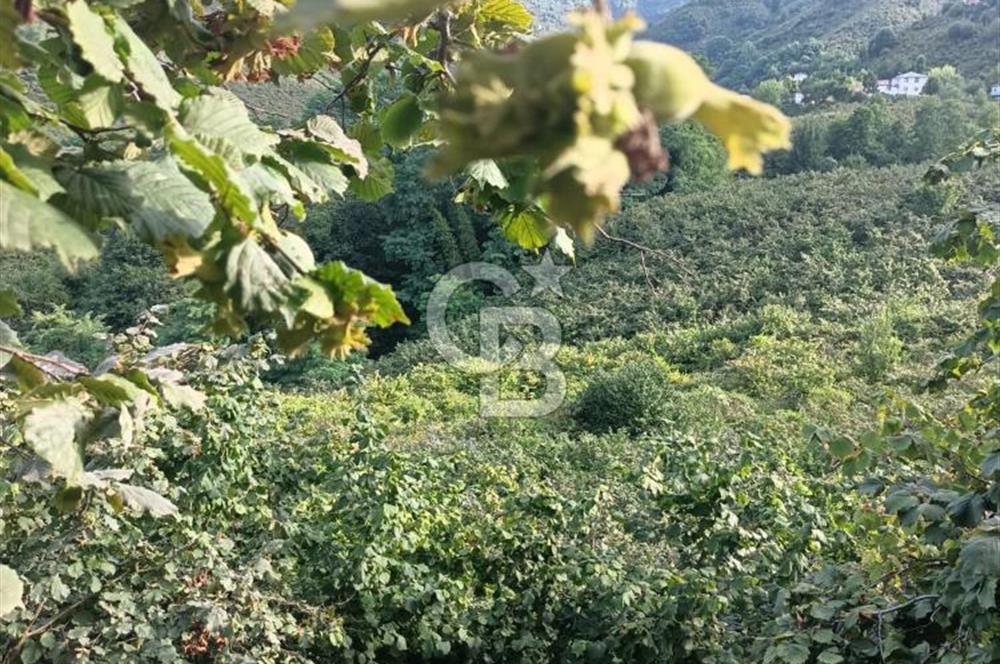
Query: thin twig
[
  {"x": 603, "y": 9},
  {"x": 645, "y": 272},
  {"x": 909, "y": 602},
  {"x": 641, "y": 247},
  {"x": 892, "y": 609},
  {"x": 373, "y": 50}
]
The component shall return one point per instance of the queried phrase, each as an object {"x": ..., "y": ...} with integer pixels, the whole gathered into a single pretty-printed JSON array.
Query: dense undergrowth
[{"x": 377, "y": 517}]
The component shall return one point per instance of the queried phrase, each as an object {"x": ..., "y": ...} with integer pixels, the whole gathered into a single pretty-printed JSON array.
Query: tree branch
[
  {"x": 41, "y": 359},
  {"x": 443, "y": 25},
  {"x": 373, "y": 49},
  {"x": 893, "y": 609},
  {"x": 643, "y": 248}
]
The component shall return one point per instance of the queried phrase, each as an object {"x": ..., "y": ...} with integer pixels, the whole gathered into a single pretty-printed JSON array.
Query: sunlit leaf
[
  {"x": 51, "y": 432},
  {"x": 145, "y": 500},
  {"x": 529, "y": 228},
  {"x": 144, "y": 68},
  {"x": 11, "y": 591},
  {"x": 219, "y": 120},
  {"x": 215, "y": 172},
  {"x": 97, "y": 46}
]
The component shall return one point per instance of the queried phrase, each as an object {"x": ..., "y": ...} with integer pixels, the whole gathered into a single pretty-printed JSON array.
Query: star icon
[{"x": 546, "y": 275}]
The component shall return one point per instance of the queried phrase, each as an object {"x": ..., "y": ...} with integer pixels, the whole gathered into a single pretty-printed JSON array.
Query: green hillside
[
  {"x": 964, "y": 35},
  {"x": 750, "y": 40},
  {"x": 769, "y": 24}
]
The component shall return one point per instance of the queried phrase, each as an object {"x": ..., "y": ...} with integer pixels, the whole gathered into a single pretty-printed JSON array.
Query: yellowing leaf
[
  {"x": 673, "y": 86},
  {"x": 748, "y": 128},
  {"x": 529, "y": 228},
  {"x": 509, "y": 12},
  {"x": 668, "y": 81}
]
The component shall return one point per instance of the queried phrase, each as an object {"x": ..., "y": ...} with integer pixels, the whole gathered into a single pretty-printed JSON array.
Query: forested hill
[
  {"x": 743, "y": 38},
  {"x": 550, "y": 14}
]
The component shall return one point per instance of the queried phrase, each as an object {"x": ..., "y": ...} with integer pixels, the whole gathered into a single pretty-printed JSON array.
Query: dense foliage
[{"x": 780, "y": 437}]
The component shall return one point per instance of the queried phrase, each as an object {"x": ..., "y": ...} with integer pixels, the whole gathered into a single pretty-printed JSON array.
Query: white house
[
  {"x": 909, "y": 84},
  {"x": 995, "y": 92}
]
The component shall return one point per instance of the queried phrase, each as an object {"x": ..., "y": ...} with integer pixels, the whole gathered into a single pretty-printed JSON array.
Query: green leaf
[
  {"x": 314, "y": 53},
  {"x": 308, "y": 13},
  {"x": 219, "y": 120},
  {"x": 378, "y": 183},
  {"x": 304, "y": 185},
  {"x": 270, "y": 187},
  {"x": 830, "y": 656},
  {"x": 165, "y": 202},
  {"x": 51, "y": 431},
  {"x": 111, "y": 390},
  {"x": 14, "y": 175},
  {"x": 11, "y": 591},
  {"x": 145, "y": 500},
  {"x": 10, "y": 18},
  {"x": 144, "y": 68},
  {"x": 100, "y": 191},
  {"x": 842, "y": 447},
  {"x": 991, "y": 464},
  {"x": 8, "y": 303},
  {"x": 97, "y": 46},
  {"x": 793, "y": 653},
  {"x": 27, "y": 224},
  {"x": 401, "y": 119},
  {"x": 968, "y": 510},
  {"x": 215, "y": 173},
  {"x": 255, "y": 279},
  {"x": 27, "y": 374},
  {"x": 507, "y": 12},
  {"x": 312, "y": 165},
  {"x": 529, "y": 228},
  {"x": 350, "y": 286},
  {"x": 35, "y": 168},
  {"x": 899, "y": 501}
]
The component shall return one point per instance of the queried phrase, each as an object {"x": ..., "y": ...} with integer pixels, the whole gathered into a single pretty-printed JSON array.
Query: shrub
[
  {"x": 787, "y": 372},
  {"x": 187, "y": 319},
  {"x": 960, "y": 30},
  {"x": 37, "y": 279},
  {"x": 80, "y": 338},
  {"x": 631, "y": 398},
  {"x": 879, "y": 349}
]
